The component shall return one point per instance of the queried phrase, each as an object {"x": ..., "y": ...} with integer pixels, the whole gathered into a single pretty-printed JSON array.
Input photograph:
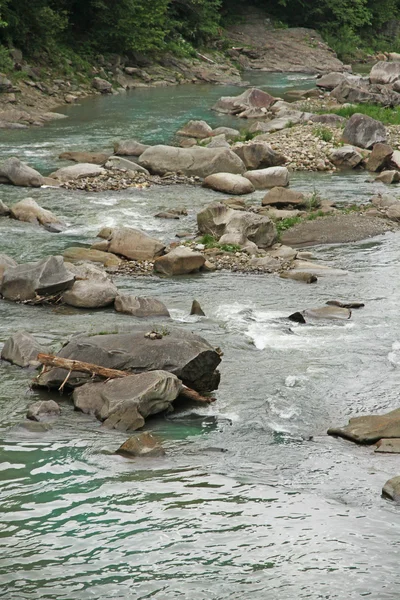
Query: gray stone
[
  {"x": 6, "y": 262},
  {"x": 363, "y": 131},
  {"x": 388, "y": 177},
  {"x": 143, "y": 445},
  {"x": 280, "y": 196},
  {"x": 258, "y": 155},
  {"x": 329, "y": 119},
  {"x": 195, "y": 161},
  {"x": 196, "y": 129},
  {"x": 90, "y": 293},
  {"x": 346, "y": 157},
  {"x": 95, "y": 158},
  {"x": 179, "y": 351},
  {"x": 43, "y": 410},
  {"x": 101, "y": 85},
  {"x": 29, "y": 211},
  {"x": 4, "y": 209},
  {"x": 21, "y": 349},
  {"x": 122, "y": 164},
  {"x": 379, "y": 157},
  {"x": 228, "y": 132},
  {"x": 251, "y": 103},
  {"x": 42, "y": 278},
  {"x": 268, "y": 178},
  {"x": 129, "y": 148},
  {"x": 78, "y": 253},
  {"x": 135, "y": 244},
  {"x": 244, "y": 227},
  {"x": 140, "y": 306},
  {"x": 385, "y": 72},
  {"x": 391, "y": 489},
  {"x": 369, "y": 429},
  {"x": 78, "y": 171},
  {"x": 180, "y": 261},
  {"x": 330, "y": 80},
  {"x": 196, "y": 309},
  {"x": 323, "y": 312},
  {"x": 19, "y": 173},
  {"x": 229, "y": 183},
  {"x": 388, "y": 446}
]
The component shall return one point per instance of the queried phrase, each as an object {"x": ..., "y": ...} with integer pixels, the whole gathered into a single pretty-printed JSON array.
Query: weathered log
[{"x": 49, "y": 360}]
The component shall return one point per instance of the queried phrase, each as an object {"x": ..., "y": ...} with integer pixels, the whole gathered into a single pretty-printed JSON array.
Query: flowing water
[{"x": 253, "y": 499}]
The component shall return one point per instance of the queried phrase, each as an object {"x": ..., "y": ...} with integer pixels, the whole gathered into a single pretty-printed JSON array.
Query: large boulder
[
  {"x": 102, "y": 85},
  {"x": 330, "y": 80},
  {"x": 196, "y": 129},
  {"x": 252, "y": 103},
  {"x": 18, "y": 173},
  {"x": 125, "y": 403},
  {"x": 90, "y": 293},
  {"x": 134, "y": 244},
  {"x": 95, "y": 158},
  {"x": 228, "y": 132},
  {"x": 43, "y": 410},
  {"x": 346, "y": 157},
  {"x": 129, "y": 148},
  {"x": 140, "y": 306},
  {"x": 6, "y": 262},
  {"x": 388, "y": 177},
  {"x": 78, "y": 171},
  {"x": 244, "y": 227},
  {"x": 29, "y": 211},
  {"x": 229, "y": 184},
  {"x": 363, "y": 131},
  {"x": 391, "y": 489},
  {"x": 369, "y": 429},
  {"x": 385, "y": 72},
  {"x": 258, "y": 155},
  {"x": 282, "y": 197},
  {"x": 186, "y": 355},
  {"x": 268, "y": 178},
  {"x": 195, "y": 161},
  {"x": 78, "y": 254},
  {"x": 347, "y": 92},
  {"x": 4, "y": 209},
  {"x": 379, "y": 157},
  {"x": 123, "y": 164},
  {"x": 42, "y": 278},
  {"x": 21, "y": 349},
  {"x": 180, "y": 261},
  {"x": 213, "y": 219}
]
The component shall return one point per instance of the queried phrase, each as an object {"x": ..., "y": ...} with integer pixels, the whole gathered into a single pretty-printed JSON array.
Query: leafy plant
[
  {"x": 210, "y": 242},
  {"x": 388, "y": 116},
  {"x": 323, "y": 133}
]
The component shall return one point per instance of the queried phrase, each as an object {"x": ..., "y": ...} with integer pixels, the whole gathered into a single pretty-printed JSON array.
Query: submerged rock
[
  {"x": 29, "y": 211},
  {"x": 196, "y": 309},
  {"x": 125, "y": 403},
  {"x": 370, "y": 428},
  {"x": 140, "y": 306},
  {"x": 323, "y": 312},
  {"x": 42, "y": 410},
  {"x": 143, "y": 445},
  {"x": 180, "y": 352},
  {"x": 21, "y": 349}
]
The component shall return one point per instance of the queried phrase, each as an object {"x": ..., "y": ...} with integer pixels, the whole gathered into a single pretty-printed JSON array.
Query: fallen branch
[
  {"x": 206, "y": 58},
  {"x": 49, "y": 360}
]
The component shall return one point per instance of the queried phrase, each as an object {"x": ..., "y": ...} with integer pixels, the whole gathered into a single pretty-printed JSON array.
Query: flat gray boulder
[
  {"x": 196, "y": 129},
  {"x": 385, "y": 72},
  {"x": 195, "y": 161},
  {"x": 78, "y": 171},
  {"x": 28, "y": 210},
  {"x": 123, "y": 164},
  {"x": 21, "y": 349},
  {"x": 129, "y": 148},
  {"x": 180, "y": 261},
  {"x": 125, "y": 403},
  {"x": 369, "y": 429},
  {"x": 134, "y": 244},
  {"x": 43, "y": 410},
  {"x": 363, "y": 131},
  {"x": 186, "y": 355},
  {"x": 18, "y": 173},
  {"x": 94, "y": 158},
  {"x": 268, "y": 178},
  {"x": 140, "y": 306},
  {"x": 281, "y": 196},
  {"x": 42, "y": 278},
  {"x": 229, "y": 184},
  {"x": 90, "y": 293}
]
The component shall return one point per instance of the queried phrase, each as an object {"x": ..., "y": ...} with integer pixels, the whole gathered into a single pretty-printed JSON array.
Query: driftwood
[{"x": 49, "y": 360}]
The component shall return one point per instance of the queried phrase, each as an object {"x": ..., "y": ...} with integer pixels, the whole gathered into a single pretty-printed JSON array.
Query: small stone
[{"x": 142, "y": 445}]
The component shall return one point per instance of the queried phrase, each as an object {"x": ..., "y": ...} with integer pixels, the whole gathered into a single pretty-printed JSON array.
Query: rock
[
  {"x": 214, "y": 218},
  {"x": 5, "y": 84},
  {"x": 166, "y": 215},
  {"x": 122, "y": 164},
  {"x": 19, "y": 173},
  {"x": 388, "y": 446},
  {"x": 369, "y": 429},
  {"x": 330, "y": 80},
  {"x": 284, "y": 252},
  {"x": 379, "y": 157},
  {"x": 140, "y": 306},
  {"x": 268, "y": 263},
  {"x": 268, "y": 178},
  {"x": 229, "y": 183},
  {"x": 313, "y": 268},
  {"x": 346, "y": 157},
  {"x": 105, "y": 233},
  {"x": 347, "y": 92},
  {"x": 355, "y": 305},
  {"x": 129, "y": 148},
  {"x": 188, "y": 142},
  {"x": 90, "y": 293},
  {"x": 143, "y": 445},
  {"x": 101, "y": 85},
  {"x": 78, "y": 171},
  {"x": 95, "y": 158},
  {"x": 323, "y": 312},
  {"x": 251, "y": 103},
  {"x": 391, "y": 489},
  {"x": 42, "y": 410},
  {"x": 70, "y": 98},
  {"x": 329, "y": 119},
  {"x": 218, "y": 141},
  {"x": 6, "y": 262},
  {"x": 21, "y": 349},
  {"x": 34, "y": 426},
  {"x": 180, "y": 261},
  {"x": 196, "y": 129},
  {"x": 125, "y": 403},
  {"x": 196, "y": 161},
  {"x": 388, "y": 177},
  {"x": 45, "y": 277},
  {"x": 4, "y": 209},
  {"x": 29, "y": 211},
  {"x": 280, "y": 196},
  {"x": 395, "y": 160},
  {"x": 258, "y": 155},
  {"x": 179, "y": 351},
  {"x": 103, "y": 246},
  {"x": 385, "y": 72},
  {"x": 393, "y": 212},
  {"x": 135, "y": 244},
  {"x": 384, "y": 200},
  {"x": 363, "y": 131},
  {"x": 299, "y": 276},
  {"x": 196, "y": 309},
  {"x": 228, "y": 132},
  {"x": 77, "y": 254}
]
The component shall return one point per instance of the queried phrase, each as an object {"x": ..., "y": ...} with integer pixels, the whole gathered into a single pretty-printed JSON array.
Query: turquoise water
[{"x": 276, "y": 515}]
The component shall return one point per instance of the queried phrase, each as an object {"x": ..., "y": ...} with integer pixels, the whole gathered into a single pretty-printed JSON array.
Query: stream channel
[{"x": 284, "y": 512}]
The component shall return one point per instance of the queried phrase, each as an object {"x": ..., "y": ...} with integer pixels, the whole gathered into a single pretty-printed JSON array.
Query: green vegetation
[
  {"x": 323, "y": 133},
  {"x": 209, "y": 241},
  {"x": 388, "y": 116},
  {"x": 285, "y": 224},
  {"x": 245, "y": 136}
]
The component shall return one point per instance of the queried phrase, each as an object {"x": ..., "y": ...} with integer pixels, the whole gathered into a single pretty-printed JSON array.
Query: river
[{"x": 253, "y": 499}]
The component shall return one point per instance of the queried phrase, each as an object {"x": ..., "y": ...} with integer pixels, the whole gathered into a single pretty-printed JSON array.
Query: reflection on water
[{"x": 252, "y": 498}]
